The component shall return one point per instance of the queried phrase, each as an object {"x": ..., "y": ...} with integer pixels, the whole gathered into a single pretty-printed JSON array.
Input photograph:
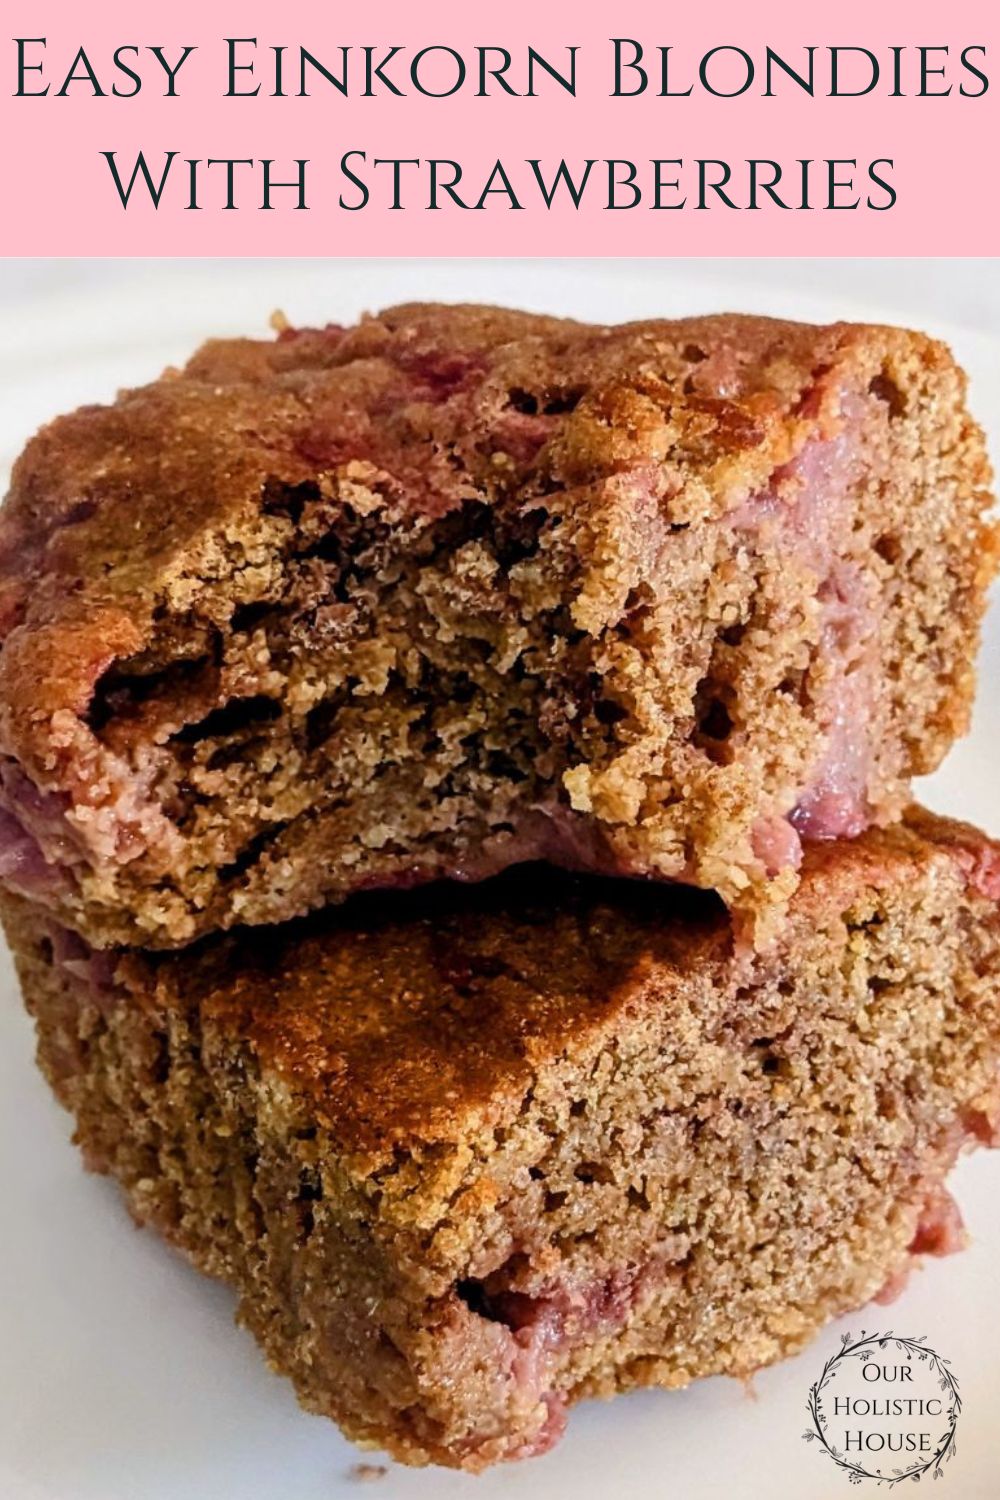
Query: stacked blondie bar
[{"x": 457, "y": 848}]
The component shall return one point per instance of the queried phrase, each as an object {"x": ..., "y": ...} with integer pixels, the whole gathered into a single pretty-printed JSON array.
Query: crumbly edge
[{"x": 746, "y": 1155}]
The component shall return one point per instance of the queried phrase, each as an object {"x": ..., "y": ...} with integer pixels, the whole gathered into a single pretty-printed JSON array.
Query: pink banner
[{"x": 634, "y": 128}]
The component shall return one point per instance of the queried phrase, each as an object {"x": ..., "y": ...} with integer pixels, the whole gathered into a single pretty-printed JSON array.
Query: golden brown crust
[
  {"x": 415, "y": 1029},
  {"x": 418, "y": 1020},
  {"x": 112, "y": 508}
]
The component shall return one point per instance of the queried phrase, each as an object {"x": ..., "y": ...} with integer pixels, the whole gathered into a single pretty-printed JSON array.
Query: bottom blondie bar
[{"x": 545, "y": 1138}]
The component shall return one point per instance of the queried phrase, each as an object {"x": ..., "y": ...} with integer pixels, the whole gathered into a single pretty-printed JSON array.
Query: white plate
[{"x": 122, "y": 1376}]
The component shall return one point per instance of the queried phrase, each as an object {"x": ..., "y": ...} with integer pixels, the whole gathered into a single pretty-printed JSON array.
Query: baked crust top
[
  {"x": 428, "y": 1020},
  {"x": 123, "y": 518}
]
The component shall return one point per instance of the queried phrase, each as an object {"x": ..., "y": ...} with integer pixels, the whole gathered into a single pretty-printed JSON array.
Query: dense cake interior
[
  {"x": 643, "y": 602},
  {"x": 471, "y": 1163}
]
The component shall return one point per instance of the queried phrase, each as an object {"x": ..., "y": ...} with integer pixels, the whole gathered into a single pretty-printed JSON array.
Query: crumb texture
[{"x": 459, "y": 588}]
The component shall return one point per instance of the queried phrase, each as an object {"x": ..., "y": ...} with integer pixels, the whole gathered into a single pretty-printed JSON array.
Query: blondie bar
[
  {"x": 544, "y": 1138},
  {"x": 459, "y": 588}
]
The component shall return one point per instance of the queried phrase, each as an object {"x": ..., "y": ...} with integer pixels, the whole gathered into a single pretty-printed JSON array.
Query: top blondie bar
[{"x": 460, "y": 587}]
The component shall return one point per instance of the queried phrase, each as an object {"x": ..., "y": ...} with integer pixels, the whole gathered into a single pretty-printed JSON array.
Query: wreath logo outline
[{"x": 864, "y": 1348}]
